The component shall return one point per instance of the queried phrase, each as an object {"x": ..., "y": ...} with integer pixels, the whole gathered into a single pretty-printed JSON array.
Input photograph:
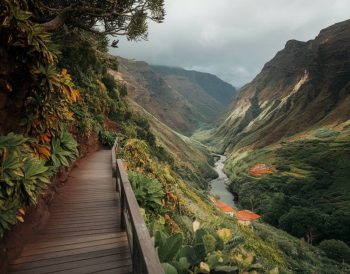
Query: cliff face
[
  {"x": 183, "y": 100},
  {"x": 306, "y": 85}
]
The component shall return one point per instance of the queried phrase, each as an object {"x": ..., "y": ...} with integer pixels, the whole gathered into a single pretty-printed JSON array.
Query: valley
[
  {"x": 189, "y": 151},
  {"x": 287, "y": 160},
  {"x": 287, "y": 139}
]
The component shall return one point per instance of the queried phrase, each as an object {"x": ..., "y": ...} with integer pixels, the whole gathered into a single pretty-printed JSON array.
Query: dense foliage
[
  {"x": 24, "y": 175},
  {"x": 336, "y": 250},
  {"x": 308, "y": 194}
]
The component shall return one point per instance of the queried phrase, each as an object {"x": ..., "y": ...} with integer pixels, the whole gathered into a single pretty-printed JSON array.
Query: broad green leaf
[
  {"x": 169, "y": 269},
  {"x": 170, "y": 248}
]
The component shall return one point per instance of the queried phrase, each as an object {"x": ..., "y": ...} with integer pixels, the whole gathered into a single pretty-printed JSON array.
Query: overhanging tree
[{"x": 106, "y": 17}]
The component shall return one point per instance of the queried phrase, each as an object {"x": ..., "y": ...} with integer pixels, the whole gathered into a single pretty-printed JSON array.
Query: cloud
[{"x": 231, "y": 38}]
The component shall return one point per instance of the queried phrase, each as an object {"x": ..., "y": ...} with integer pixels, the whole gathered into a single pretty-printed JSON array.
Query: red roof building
[
  {"x": 246, "y": 215},
  {"x": 242, "y": 216}
]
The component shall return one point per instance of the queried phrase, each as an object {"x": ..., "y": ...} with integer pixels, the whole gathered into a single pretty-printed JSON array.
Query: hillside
[
  {"x": 306, "y": 85},
  {"x": 192, "y": 160},
  {"x": 181, "y": 99},
  {"x": 69, "y": 105},
  {"x": 192, "y": 83},
  {"x": 287, "y": 138}
]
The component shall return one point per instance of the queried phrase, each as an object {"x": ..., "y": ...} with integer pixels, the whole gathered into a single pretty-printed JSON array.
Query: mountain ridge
[
  {"x": 179, "y": 102},
  {"x": 294, "y": 119},
  {"x": 304, "y": 85}
]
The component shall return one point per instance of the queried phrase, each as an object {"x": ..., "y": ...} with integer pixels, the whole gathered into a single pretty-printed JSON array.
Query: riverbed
[{"x": 218, "y": 185}]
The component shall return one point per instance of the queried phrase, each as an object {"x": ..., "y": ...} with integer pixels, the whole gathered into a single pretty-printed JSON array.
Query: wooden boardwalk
[{"x": 83, "y": 234}]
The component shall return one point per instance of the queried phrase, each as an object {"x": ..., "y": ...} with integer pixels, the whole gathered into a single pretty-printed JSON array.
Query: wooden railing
[{"x": 144, "y": 256}]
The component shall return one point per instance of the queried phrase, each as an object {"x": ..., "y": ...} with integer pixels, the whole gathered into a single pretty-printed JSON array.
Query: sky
[{"x": 232, "y": 39}]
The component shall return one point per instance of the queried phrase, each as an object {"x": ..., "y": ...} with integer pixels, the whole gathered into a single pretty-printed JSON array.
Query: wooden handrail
[{"x": 144, "y": 256}]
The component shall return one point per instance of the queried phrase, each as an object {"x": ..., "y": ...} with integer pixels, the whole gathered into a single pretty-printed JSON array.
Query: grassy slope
[
  {"x": 192, "y": 159},
  {"x": 182, "y": 102}
]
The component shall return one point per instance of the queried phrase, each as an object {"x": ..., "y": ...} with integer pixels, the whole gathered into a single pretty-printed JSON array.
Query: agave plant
[
  {"x": 64, "y": 149},
  {"x": 149, "y": 192},
  {"x": 22, "y": 178}
]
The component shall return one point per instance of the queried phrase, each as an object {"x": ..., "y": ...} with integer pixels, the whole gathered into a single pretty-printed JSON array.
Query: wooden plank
[
  {"x": 71, "y": 246},
  {"x": 54, "y": 235},
  {"x": 87, "y": 219},
  {"x": 117, "y": 266},
  {"x": 70, "y": 252},
  {"x": 62, "y": 260},
  {"x": 87, "y": 238},
  {"x": 122, "y": 270},
  {"x": 81, "y": 264}
]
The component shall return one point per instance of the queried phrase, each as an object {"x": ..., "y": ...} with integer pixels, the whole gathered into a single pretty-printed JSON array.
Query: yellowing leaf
[
  {"x": 20, "y": 218},
  {"x": 75, "y": 95},
  {"x": 22, "y": 211},
  {"x": 69, "y": 114},
  {"x": 44, "y": 151},
  {"x": 225, "y": 234},
  {"x": 66, "y": 91},
  {"x": 45, "y": 138},
  {"x": 204, "y": 267}
]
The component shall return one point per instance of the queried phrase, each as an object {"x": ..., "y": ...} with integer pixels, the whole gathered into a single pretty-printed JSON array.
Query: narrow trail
[{"x": 83, "y": 234}]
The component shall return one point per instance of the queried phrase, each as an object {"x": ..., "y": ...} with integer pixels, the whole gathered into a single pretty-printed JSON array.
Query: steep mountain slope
[
  {"x": 192, "y": 160},
  {"x": 288, "y": 138},
  {"x": 191, "y": 85},
  {"x": 183, "y": 103},
  {"x": 305, "y": 85}
]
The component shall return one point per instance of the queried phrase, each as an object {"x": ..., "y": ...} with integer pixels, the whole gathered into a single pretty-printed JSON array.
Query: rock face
[
  {"x": 181, "y": 99},
  {"x": 305, "y": 85}
]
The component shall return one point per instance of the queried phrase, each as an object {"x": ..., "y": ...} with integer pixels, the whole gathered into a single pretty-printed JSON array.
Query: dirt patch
[{"x": 261, "y": 169}]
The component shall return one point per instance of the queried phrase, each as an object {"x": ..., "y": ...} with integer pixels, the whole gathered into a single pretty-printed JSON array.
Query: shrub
[
  {"x": 336, "y": 250},
  {"x": 111, "y": 85},
  {"x": 107, "y": 138},
  {"x": 148, "y": 191},
  {"x": 64, "y": 150},
  {"x": 283, "y": 167},
  {"x": 23, "y": 178},
  {"x": 326, "y": 133}
]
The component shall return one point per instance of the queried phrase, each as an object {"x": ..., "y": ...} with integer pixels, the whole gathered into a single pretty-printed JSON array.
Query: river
[{"x": 218, "y": 185}]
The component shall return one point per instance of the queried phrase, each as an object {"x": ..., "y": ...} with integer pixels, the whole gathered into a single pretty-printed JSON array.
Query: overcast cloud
[{"x": 231, "y": 38}]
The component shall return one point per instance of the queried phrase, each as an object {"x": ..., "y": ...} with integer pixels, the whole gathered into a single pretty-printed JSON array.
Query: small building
[
  {"x": 261, "y": 169},
  {"x": 224, "y": 207},
  {"x": 245, "y": 217}
]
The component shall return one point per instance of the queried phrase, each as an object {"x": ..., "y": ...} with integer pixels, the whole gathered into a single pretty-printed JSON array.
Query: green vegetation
[
  {"x": 308, "y": 194},
  {"x": 107, "y": 138},
  {"x": 336, "y": 250},
  {"x": 149, "y": 192},
  {"x": 64, "y": 150},
  {"x": 69, "y": 98},
  {"x": 206, "y": 252},
  {"x": 25, "y": 172},
  {"x": 52, "y": 99}
]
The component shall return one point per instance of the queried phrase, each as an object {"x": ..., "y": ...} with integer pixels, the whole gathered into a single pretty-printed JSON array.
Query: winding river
[{"x": 218, "y": 185}]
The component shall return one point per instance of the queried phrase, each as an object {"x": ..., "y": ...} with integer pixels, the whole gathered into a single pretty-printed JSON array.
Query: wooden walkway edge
[{"x": 83, "y": 234}]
